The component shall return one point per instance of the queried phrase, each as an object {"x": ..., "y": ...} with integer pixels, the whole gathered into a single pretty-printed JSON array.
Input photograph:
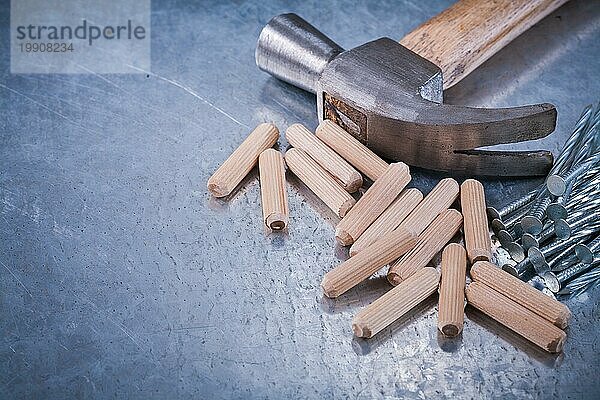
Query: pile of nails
[{"x": 552, "y": 233}]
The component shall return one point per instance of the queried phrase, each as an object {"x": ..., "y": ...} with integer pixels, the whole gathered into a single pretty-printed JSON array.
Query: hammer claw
[
  {"x": 468, "y": 128},
  {"x": 501, "y": 163}
]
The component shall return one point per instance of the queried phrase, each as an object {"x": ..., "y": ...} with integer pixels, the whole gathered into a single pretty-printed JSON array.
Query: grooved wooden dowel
[
  {"x": 272, "y": 190},
  {"x": 352, "y": 150},
  {"x": 389, "y": 219},
  {"x": 520, "y": 292},
  {"x": 319, "y": 181},
  {"x": 301, "y": 138},
  {"x": 433, "y": 239},
  {"x": 358, "y": 268},
  {"x": 395, "y": 303},
  {"x": 370, "y": 206},
  {"x": 477, "y": 235},
  {"x": 436, "y": 201},
  {"x": 516, "y": 317},
  {"x": 242, "y": 160},
  {"x": 451, "y": 306}
]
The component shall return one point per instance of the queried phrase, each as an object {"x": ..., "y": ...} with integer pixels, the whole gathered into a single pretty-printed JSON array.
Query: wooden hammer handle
[{"x": 469, "y": 32}]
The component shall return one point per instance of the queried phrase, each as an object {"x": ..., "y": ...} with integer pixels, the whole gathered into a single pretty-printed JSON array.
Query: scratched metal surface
[{"x": 123, "y": 278}]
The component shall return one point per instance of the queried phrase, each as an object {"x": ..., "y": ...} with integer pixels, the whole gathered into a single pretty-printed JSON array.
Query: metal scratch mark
[
  {"x": 16, "y": 278},
  {"x": 97, "y": 75},
  {"x": 47, "y": 108},
  {"x": 192, "y": 92},
  {"x": 108, "y": 318},
  {"x": 129, "y": 335},
  {"x": 8, "y": 206},
  {"x": 112, "y": 83},
  {"x": 202, "y": 327}
]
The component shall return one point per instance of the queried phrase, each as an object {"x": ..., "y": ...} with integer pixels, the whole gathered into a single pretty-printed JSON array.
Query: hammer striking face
[{"x": 390, "y": 98}]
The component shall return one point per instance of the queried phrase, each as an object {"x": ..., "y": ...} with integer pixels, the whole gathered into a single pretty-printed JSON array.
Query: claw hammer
[{"x": 389, "y": 94}]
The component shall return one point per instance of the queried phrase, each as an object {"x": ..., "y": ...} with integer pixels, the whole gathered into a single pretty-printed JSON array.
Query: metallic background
[{"x": 121, "y": 277}]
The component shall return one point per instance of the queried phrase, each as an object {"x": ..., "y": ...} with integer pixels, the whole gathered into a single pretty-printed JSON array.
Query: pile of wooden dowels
[{"x": 394, "y": 226}]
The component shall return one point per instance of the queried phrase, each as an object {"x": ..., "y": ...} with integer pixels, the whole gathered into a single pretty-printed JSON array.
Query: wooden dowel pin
[
  {"x": 477, "y": 236},
  {"x": 439, "y": 199},
  {"x": 301, "y": 138},
  {"x": 433, "y": 239},
  {"x": 273, "y": 193},
  {"x": 516, "y": 317},
  {"x": 358, "y": 268},
  {"x": 351, "y": 149},
  {"x": 395, "y": 303},
  {"x": 319, "y": 182},
  {"x": 451, "y": 306},
  {"x": 242, "y": 160},
  {"x": 520, "y": 292},
  {"x": 370, "y": 206},
  {"x": 389, "y": 219}
]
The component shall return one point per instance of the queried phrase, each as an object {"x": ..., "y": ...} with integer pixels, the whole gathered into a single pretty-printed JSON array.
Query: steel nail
[
  {"x": 554, "y": 281},
  {"x": 567, "y": 151},
  {"x": 562, "y": 263},
  {"x": 587, "y": 253},
  {"x": 513, "y": 206},
  {"x": 522, "y": 270},
  {"x": 532, "y": 221},
  {"x": 515, "y": 250},
  {"x": 504, "y": 237},
  {"x": 582, "y": 283},
  {"x": 557, "y": 184}
]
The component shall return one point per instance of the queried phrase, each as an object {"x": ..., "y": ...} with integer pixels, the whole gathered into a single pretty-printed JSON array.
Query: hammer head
[{"x": 390, "y": 98}]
